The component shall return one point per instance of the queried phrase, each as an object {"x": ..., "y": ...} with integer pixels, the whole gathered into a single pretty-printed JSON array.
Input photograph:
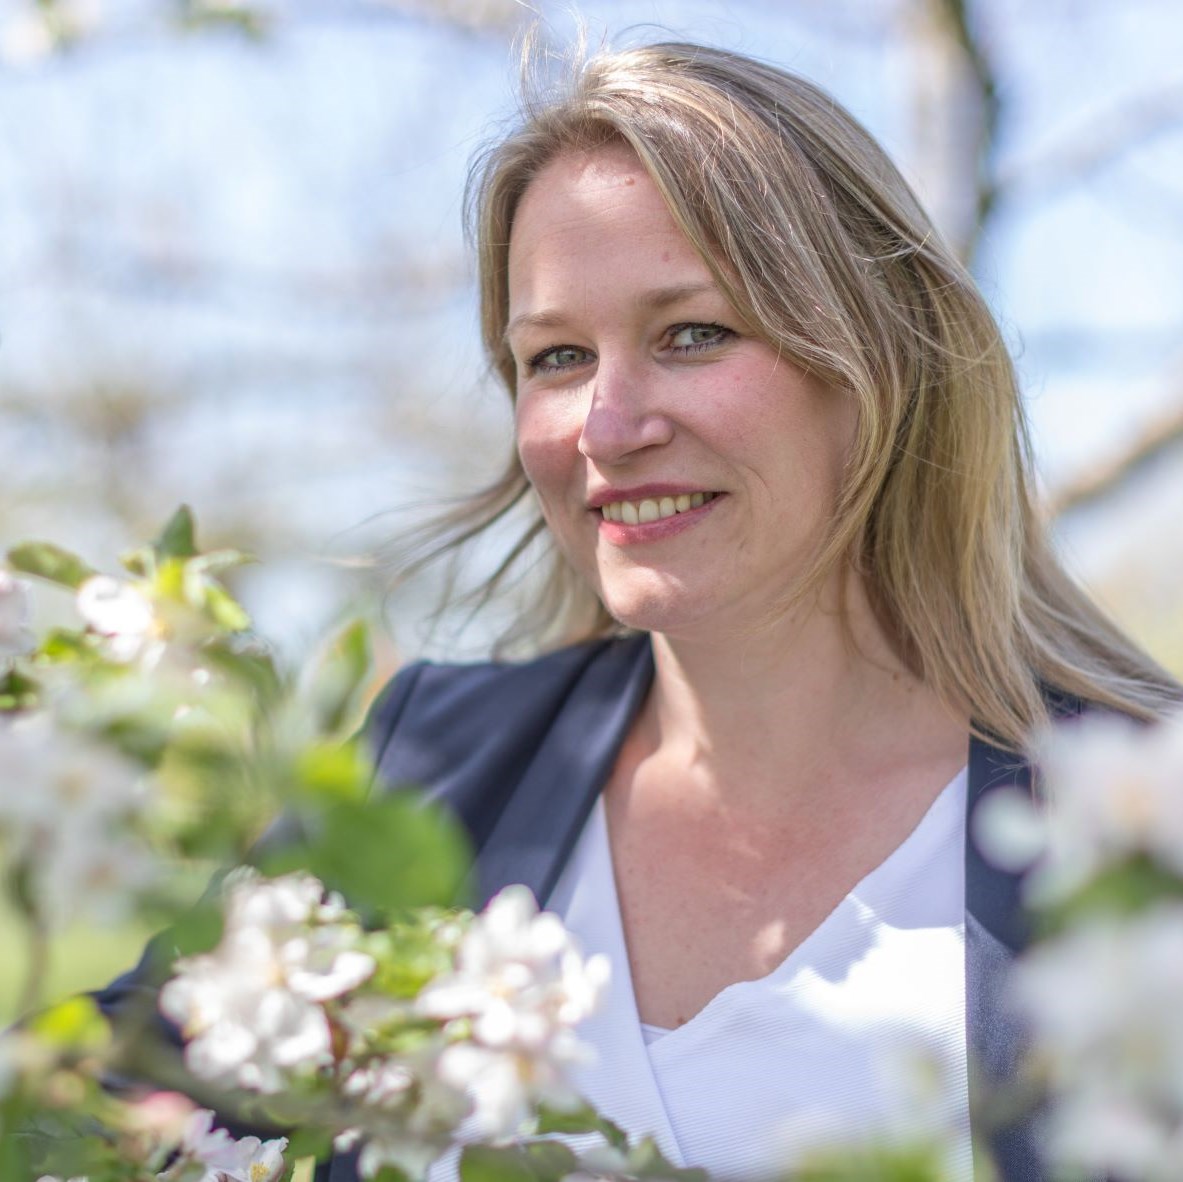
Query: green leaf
[
  {"x": 389, "y": 1173},
  {"x": 168, "y": 581},
  {"x": 198, "y": 930},
  {"x": 536, "y": 1161},
  {"x": 334, "y": 771},
  {"x": 218, "y": 560},
  {"x": 1121, "y": 889},
  {"x": 645, "y": 1160},
  {"x": 65, "y": 644},
  {"x": 75, "y": 1024},
  {"x": 410, "y": 953},
  {"x": 875, "y": 1163},
  {"x": 485, "y": 1163},
  {"x": 304, "y": 1142},
  {"x": 385, "y": 855},
  {"x": 550, "y": 1159},
  {"x": 47, "y": 561},
  {"x": 17, "y": 692},
  {"x": 14, "y": 1161},
  {"x": 251, "y": 667},
  {"x": 336, "y": 679},
  {"x": 140, "y": 562},
  {"x": 583, "y": 1119},
  {"x": 177, "y": 539},
  {"x": 224, "y": 609}
]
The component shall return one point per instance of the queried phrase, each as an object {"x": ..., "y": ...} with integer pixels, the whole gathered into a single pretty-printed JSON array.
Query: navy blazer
[{"x": 521, "y": 751}]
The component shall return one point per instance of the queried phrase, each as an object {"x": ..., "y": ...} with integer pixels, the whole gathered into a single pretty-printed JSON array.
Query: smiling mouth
[{"x": 654, "y": 508}]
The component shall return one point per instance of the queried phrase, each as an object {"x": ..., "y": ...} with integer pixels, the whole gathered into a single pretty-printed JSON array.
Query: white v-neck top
[{"x": 859, "y": 1033}]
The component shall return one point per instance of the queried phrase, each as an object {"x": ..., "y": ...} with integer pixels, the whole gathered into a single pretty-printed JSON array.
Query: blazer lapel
[
  {"x": 996, "y": 930},
  {"x": 542, "y": 821}
]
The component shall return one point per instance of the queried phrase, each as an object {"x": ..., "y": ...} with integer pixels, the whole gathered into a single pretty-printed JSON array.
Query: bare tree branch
[
  {"x": 1107, "y": 476},
  {"x": 1095, "y": 146},
  {"x": 956, "y": 15},
  {"x": 956, "y": 118}
]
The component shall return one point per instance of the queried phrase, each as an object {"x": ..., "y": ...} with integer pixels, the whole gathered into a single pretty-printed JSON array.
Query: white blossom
[
  {"x": 1110, "y": 1135},
  {"x": 1010, "y": 829},
  {"x": 523, "y": 985},
  {"x": 16, "y": 638},
  {"x": 66, "y": 807},
  {"x": 1115, "y": 788},
  {"x": 406, "y": 1113},
  {"x": 123, "y": 616},
  {"x": 1104, "y": 1004},
  {"x": 252, "y": 1009},
  {"x": 30, "y": 34},
  {"x": 207, "y": 1154}
]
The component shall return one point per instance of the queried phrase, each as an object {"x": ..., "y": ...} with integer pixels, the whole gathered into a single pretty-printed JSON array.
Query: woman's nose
[{"x": 623, "y": 417}]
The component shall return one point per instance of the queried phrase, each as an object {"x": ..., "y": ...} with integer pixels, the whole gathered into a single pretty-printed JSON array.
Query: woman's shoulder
[
  {"x": 431, "y": 689},
  {"x": 435, "y": 724}
]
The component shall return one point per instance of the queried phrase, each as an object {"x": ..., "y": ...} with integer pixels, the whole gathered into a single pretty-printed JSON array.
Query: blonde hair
[{"x": 815, "y": 237}]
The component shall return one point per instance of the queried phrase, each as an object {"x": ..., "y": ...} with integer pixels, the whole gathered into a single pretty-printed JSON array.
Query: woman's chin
[{"x": 667, "y": 613}]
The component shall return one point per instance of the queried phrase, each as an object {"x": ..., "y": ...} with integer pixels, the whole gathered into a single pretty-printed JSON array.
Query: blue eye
[
  {"x": 693, "y": 338},
  {"x": 557, "y": 358}
]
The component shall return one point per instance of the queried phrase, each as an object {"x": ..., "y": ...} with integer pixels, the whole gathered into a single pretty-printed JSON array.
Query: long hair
[{"x": 815, "y": 238}]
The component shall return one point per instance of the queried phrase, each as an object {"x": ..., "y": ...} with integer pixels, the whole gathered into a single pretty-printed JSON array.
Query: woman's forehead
[{"x": 597, "y": 227}]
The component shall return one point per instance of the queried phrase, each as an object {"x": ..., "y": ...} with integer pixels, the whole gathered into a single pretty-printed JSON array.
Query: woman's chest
[
  {"x": 708, "y": 898},
  {"x": 700, "y": 910}
]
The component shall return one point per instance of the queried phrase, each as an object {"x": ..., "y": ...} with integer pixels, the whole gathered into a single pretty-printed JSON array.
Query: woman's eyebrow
[{"x": 652, "y": 300}]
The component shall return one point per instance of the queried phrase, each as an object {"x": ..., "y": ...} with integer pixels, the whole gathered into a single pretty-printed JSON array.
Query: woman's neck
[{"x": 822, "y": 694}]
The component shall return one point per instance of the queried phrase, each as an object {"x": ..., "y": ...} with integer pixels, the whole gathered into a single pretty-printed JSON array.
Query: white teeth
[{"x": 650, "y": 509}]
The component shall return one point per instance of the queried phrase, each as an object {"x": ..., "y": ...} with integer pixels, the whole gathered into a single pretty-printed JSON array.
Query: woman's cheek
[{"x": 548, "y": 445}]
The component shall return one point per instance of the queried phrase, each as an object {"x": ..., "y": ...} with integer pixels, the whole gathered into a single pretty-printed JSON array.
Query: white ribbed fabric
[
  {"x": 652, "y": 1033},
  {"x": 859, "y": 1032}
]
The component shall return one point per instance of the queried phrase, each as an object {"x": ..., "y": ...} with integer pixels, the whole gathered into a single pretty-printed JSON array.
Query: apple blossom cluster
[
  {"x": 123, "y": 616},
  {"x": 169, "y": 1130},
  {"x": 86, "y": 713},
  {"x": 68, "y": 818},
  {"x": 1105, "y": 1000},
  {"x": 292, "y": 1002},
  {"x": 1103, "y": 994},
  {"x": 157, "y": 729},
  {"x": 222, "y": 1157},
  {"x": 519, "y": 988},
  {"x": 252, "y": 1011}
]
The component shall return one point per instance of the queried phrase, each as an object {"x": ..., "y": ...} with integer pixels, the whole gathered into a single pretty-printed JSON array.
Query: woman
[
  {"x": 809, "y": 613},
  {"x": 775, "y": 437}
]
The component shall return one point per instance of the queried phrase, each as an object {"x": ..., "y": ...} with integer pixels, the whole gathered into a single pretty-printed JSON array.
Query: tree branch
[
  {"x": 1108, "y": 475},
  {"x": 1096, "y": 145}
]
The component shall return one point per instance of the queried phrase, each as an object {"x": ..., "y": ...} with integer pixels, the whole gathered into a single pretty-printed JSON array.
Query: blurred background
[{"x": 232, "y": 270}]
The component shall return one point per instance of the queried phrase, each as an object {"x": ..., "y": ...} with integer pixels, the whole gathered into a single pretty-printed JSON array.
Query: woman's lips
[
  {"x": 653, "y": 518},
  {"x": 645, "y": 510}
]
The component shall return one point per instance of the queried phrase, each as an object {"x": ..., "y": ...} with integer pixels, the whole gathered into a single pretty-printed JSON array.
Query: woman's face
[{"x": 685, "y": 469}]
